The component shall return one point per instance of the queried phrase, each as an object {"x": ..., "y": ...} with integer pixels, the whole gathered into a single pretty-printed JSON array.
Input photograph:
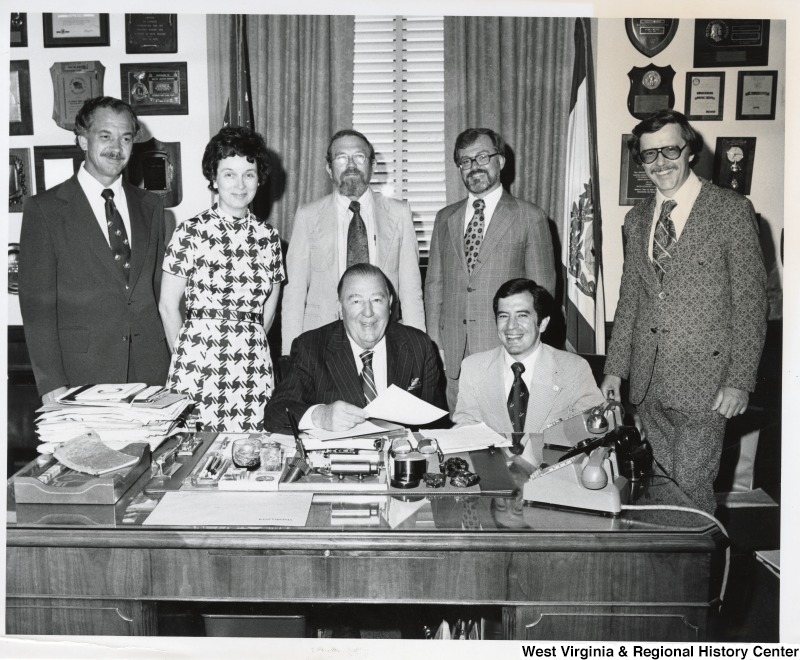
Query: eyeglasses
[
  {"x": 465, "y": 163},
  {"x": 671, "y": 152},
  {"x": 342, "y": 159}
]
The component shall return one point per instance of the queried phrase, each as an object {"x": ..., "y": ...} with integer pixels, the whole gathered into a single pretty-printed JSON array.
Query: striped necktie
[
  {"x": 664, "y": 239},
  {"x": 368, "y": 377}
]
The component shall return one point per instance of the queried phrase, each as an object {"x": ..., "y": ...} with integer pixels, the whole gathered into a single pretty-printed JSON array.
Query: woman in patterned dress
[{"x": 228, "y": 264}]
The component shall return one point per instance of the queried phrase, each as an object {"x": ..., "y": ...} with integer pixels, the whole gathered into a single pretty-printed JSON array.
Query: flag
[
  {"x": 584, "y": 304},
  {"x": 239, "y": 109}
]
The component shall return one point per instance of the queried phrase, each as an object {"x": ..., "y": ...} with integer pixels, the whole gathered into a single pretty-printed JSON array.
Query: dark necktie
[
  {"x": 357, "y": 246},
  {"x": 117, "y": 236},
  {"x": 664, "y": 239},
  {"x": 474, "y": 235},
  {"x": 517, "y": 407},
  {"x": 367, "y": 377}
]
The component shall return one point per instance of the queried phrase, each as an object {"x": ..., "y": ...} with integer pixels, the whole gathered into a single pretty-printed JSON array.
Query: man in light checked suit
[
  {"x": 477, "y": 244},
  {"x": 691, "y": 316}
]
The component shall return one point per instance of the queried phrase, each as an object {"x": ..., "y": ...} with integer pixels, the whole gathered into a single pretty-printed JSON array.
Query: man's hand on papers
[
  {"x": 337, "y": 416},
  {"x": 51, "y": 396}
]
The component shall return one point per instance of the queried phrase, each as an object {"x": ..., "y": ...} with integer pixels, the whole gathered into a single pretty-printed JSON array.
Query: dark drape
[
  {"x": 514, "y": 75},
  {"x": 301, "y": 83}
]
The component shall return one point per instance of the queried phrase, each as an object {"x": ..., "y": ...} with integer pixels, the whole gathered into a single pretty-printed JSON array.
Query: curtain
[
  {"x": 513, "y": 75},
  {"x": 301, "y": 84}
]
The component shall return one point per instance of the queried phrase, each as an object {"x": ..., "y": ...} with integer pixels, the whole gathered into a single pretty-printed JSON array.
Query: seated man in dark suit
[
  {"x": 337, "y": 369},
  {"x": 524, "y": 386}
]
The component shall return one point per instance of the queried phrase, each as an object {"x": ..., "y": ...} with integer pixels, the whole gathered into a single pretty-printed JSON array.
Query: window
[{"x": 398, "y": 103}]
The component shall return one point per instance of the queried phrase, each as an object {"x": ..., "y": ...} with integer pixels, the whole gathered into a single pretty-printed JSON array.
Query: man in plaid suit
[{"x": 691, "y": 316}]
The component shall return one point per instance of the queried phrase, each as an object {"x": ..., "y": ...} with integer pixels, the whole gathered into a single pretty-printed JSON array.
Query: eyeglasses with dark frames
[
  {"x": 671, "y": 152},
  {"x": 465, "y": 163}
]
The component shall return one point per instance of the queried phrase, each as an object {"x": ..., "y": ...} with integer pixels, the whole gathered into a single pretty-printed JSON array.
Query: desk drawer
[
  {"x": 330, "y": 574},
  {"x": 77, "y": 571}
]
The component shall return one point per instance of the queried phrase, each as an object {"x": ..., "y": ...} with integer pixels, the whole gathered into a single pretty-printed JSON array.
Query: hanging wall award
[
  {"x": 651, "y": 35},
  {"x": 73, "y": 84},
  {"x": 651, "y": 89},
  {"x": 156, "y": 166}
]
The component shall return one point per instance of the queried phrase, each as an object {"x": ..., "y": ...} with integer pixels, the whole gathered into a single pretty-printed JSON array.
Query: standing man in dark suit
[
  {"x": 90, "y": 253},
  {"x": 337, "y": 369},
  {"x": 692, "y": 310},
  {"x": 478, "y": 244}
]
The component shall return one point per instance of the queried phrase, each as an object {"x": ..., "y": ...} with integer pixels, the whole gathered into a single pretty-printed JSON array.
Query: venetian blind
[{"x": 398, "y": 103}]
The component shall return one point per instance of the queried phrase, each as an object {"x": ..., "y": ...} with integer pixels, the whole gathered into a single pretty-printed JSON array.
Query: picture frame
[
  {"x": 55, "y": 164},
  {"x": 19, "y": 30},
  {"x": 20, "y": 115},
  {"x": 634, "y": 184},
  {"x": 20, "y": 180},
  {"x": 63, "y": 30},
  {"x": 733, "y": 163},
  {"x": 151, "y": 33},
  {"x": 155, "y": 88},
  {"x": 705, "y": 95},
  {"x": 756, "y": 95},
  {"x": 13, "y": 269}
]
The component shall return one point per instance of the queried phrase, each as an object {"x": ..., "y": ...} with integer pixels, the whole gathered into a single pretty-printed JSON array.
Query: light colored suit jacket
[
  {"x": 458, "y": 306},
  {"x": 81, "y": 323},
  {"x": 707, "y": 320},
  {"x": 312, "y": 262},
  {"x": 562, "y": 386}
]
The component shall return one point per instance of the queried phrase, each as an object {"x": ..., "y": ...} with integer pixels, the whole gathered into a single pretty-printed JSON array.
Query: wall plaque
[
  {"x": 733, "y": 163},
  {"x": 705, "y": 93},
  {"x": 731, "y": 42},
  {"x": 73, "y": 84},
  {"x": 651, "y": 35},
  {"x": 19, "y": 179},
  {"x": 155, "y": 88},
  {"x": 156, "y": 166},
  {"x": 151, "y": 33},
  {"x": 20, "y": 112},
  {"x": 651, "y": 89},
  {"x": 634, "y": 184}
]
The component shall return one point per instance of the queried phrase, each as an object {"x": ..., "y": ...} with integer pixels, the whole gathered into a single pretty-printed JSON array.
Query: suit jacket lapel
[
  {"x": 455, "y": 224},
  {"x": 543, "y": 390},
  {"x": 640, "y": 238},
  {"x": 398, "y": 364},
  {"x": 698, "y": 225},
  {"x": 503, "y": 218},
  {"x": 385, "y": 228},
  {"x": 495, "y": 395},
  {"x": 341, "y": 366},
  {"x": 326, "y": 224},
  {"x": 78, "y": 212},
  {"x": 141, "y": 217}
]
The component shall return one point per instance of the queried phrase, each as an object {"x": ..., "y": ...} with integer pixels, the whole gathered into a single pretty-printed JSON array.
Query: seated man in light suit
[
  {"x": 552, "y": 384},
  {"x": 337, "y": 369}
]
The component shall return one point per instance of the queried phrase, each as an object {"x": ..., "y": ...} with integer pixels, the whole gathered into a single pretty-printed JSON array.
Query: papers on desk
[
  {"x": 117, "y": 414},
  {"x": 231, "y": 508},
  {"x": 468, "y": 438},
  {"x": 365, "y": 428},
  {"x": 396, "y": 405}
]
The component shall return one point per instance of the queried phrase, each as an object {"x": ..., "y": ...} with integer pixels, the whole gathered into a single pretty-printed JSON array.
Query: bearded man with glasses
[
  {"x": 351, "y": 225},
  {"x": 479, "y": 243},
  {"x": 692, "y": 311}
]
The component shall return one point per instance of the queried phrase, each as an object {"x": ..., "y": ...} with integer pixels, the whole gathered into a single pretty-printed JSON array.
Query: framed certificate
[
  {"x": 705, "y": 93},
  {"x": 20, "y": 116},
  {"x": 151, "y": 33},
  {"x": 64, "y": 30},
  {"x": 755, "y": 97},
  {"x": 634, "y": 184},
  {"x": 56, "y": 164},
  {"x": 155, "y": 88}
]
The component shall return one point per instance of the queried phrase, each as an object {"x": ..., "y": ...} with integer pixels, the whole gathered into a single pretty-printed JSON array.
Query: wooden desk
[{"x": 552, "y": 575}]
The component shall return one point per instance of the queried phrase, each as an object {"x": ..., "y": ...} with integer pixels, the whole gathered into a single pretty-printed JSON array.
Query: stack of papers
[
  {"x": 117, "y": 414},
  {"x": 467, "y": 438}
]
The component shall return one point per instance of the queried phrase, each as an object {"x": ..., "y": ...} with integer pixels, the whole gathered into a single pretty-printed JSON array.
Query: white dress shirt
[
  {"x": 93, "y": 190},
  {"x": 684, "y": 200},
  {"x": 527, "y": 375},
  {"x": 379, "y": 373},
  {"x": 343, "y": 217},
  {"x": 491, "y": 201}
]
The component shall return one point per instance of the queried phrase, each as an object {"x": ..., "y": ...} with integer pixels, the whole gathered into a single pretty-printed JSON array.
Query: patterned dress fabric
[
  {"x": 474, "y": 234},
  {"x": 221, "y": 358}
]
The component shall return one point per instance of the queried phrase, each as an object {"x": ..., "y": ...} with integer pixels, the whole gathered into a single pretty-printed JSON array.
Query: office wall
[
  {"x": 191, "y": 130},
  {"x": 615, "y": 58}
]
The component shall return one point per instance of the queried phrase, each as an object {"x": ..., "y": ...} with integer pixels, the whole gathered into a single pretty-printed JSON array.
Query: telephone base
[{"x": 555, "y": 491}]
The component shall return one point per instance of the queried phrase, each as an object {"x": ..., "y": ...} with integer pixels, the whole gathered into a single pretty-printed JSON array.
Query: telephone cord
[{"x": 667, "y": 507}]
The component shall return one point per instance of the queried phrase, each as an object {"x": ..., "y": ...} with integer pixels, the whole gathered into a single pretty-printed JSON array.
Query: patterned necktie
[
  {"x": 117, "y": 236},
  {"x": 357, "y": 246},
  {"x": 474, "y": 235},
  {"x": 367, "y": 377},
  {"x": 664, "y": 239},
  {"x": 517, "y": 407}
]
